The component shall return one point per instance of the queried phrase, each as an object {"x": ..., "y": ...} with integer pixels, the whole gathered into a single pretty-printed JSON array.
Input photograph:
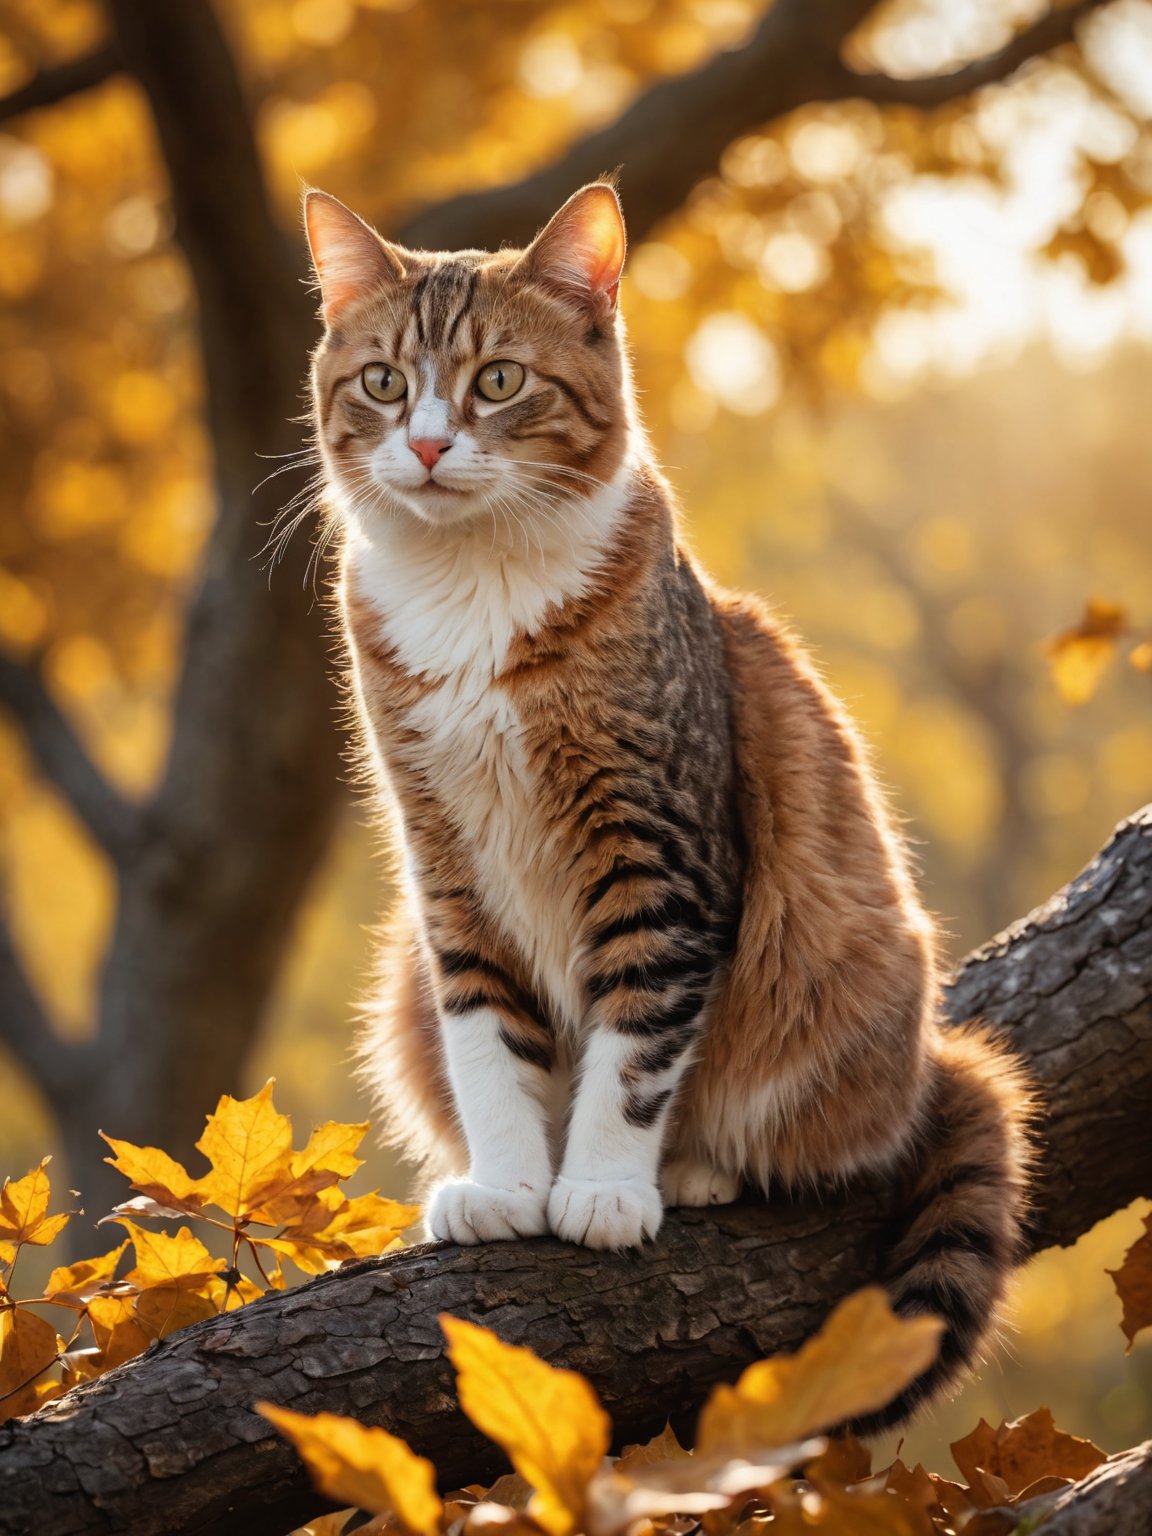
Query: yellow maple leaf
[
  {"x": 329, "y": 1156},
  {"x": 249, "y": 1144},
  {"x": 156, "y": 1175},
  {"x": 1079, "y": 657},
  {"x": 181, "y": 1261},
  {"x": 162, "y": 1309},
  {"x": 370, "y": 1468},
  {"x": 1133, "y": 1282},
  {"x": 118, "y": 1332},
  {"x": 858, "y": 1362},
  {"x": 549, "y": 1422},
  {"x": 86, "y": 1276},
  {"x": 24, "y": 1211},
  {"x": 28, "y": 1346}
]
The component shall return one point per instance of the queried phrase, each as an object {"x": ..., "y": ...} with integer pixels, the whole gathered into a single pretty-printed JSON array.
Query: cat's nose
[{"x": 429, "y": 449}]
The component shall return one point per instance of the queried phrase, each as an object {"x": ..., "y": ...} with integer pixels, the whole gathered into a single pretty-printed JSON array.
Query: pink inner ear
[
  {"x": 582, "y": 250},
  {"x": 350, "y": 258}
]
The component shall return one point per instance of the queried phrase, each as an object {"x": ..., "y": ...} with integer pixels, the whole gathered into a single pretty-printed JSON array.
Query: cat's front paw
[
  {"x": 688, "y": 1183},
  {"x": 605, "y": 1213},
  {"x": 462, "y": 1211}
]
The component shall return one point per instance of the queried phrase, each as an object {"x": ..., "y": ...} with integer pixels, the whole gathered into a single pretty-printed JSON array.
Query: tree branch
[
  {"x": 54, "y": 85},
  {"x": 64, "y": 761},
  {"x": 675, "y": 133},
  {"x": 169, "y": 1444},
  {"x": 1052, "y": 30}
]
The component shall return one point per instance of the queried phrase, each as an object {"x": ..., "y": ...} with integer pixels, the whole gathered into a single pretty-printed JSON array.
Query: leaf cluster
[{"x": 269, "y": 1203}]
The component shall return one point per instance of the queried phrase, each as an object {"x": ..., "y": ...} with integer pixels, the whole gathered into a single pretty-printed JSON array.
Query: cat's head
[{"x": 455, "y": 386}]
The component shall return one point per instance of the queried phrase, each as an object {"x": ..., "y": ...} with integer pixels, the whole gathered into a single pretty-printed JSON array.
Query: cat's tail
[{"x": 959, "y": 1231}]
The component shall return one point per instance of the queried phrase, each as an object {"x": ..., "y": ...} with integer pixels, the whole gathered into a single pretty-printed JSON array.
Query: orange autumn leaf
[
  {"x": 28, "y": 1346},
  {"x": 864, "y": 1511},
  {"x": 861, "y": 1359},
  {"x": 249, "y": 1144},
  {"x": 118, "y": 1332},
  {"x": 24, "y": 1212},
  {"x": 1078, "y": 657},
  {"x": 181, "y": 1261},
  {"x": 1133, "y": 1282},
  {"x": 157, "y": 1176},
  {"x": 1001, "y": 1463},
  {"x": 549, "y": 1422},
  {"x": 366, "y": 1467}
]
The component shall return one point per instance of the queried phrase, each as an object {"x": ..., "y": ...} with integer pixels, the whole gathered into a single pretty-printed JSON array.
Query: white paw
[
  {"x": 605, "y": 1213},
  {"x": 690, "y": 1183},
  {"x": 461, "y": 1211}
]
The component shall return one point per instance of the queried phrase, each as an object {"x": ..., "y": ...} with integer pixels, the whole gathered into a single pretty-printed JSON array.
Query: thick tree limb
[
  {"x": 63, "y": 759},
  {"x": 168, "y": 1443},
  {"x": 63, "y": 80},
  {"x": 674, "y": 134}
]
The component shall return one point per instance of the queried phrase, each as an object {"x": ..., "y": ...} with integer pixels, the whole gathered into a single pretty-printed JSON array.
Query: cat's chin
[{"x": 441, "y": 506}]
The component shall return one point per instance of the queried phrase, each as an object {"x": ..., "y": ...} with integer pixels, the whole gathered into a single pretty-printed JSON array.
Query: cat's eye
[
  {"x": 384, "y": 383},
  {"x": 499, "y": 381}
]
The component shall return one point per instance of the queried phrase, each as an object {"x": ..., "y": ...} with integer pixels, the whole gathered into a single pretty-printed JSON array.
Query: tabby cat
[{"x": 658, "y": 937}]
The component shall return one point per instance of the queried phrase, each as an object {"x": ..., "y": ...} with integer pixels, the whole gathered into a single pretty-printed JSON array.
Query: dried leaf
[
  {"x": 549, "y": 1422},
  {"x": 861, "y": 1359},
  {"x": 24, "y": 1210},
  {"x": 845, "y": 1512},
  {"x": 847, "y": 1460},
  {"x": 1001, "y": 1463},
  {"x": 1079, "y": 657},
  {"x": 28, "y": 1346},
  {"x": 362, "y": 1466},
  {"x": 1133, "y": 1282},
  {"x": 661, "y": 1448},
  {"x": 118, "y": 1332}
]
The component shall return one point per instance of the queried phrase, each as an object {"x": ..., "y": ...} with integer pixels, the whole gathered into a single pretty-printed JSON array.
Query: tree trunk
[{"x": 169, "y": 1444}]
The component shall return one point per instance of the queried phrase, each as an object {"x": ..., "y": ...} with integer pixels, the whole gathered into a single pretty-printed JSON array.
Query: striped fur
[{"x": 657, "y": 927}]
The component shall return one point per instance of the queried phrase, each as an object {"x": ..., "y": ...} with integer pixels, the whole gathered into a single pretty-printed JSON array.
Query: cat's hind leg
[{"x": 694, "y": 1181}]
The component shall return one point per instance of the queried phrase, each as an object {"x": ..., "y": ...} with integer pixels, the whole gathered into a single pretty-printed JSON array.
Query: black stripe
[
  {"x": 662, "y": 1055},
  {"x": 473, "y": 279},
  {"x": 655, "y": 1022},
  {"x": 466, "y": 1002},
  {"x": 617, "y": 876},
  {"x": 454, "y": 962},
  {"x": 577, "y": 401},
  {"x": 415, "y": 299},
  {"x": 673, "y": 910},
  {"x": 645, "y": 978},
  {"x": 970, "y": 1174},
  {"x": 535, "y": 1052},
  {"x": 643, "y": 1109}
]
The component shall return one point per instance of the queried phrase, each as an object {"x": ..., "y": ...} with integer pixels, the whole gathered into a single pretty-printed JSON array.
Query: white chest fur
[{"x": 450, "y": 603}]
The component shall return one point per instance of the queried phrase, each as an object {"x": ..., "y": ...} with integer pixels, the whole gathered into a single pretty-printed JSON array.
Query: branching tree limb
[
  {"x": 63, "y": 759},
  {"x": 169, "y": 1444},
  {"x": 54, "y": 85}
]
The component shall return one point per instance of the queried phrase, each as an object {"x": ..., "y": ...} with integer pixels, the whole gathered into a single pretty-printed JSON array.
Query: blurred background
[{"x": 890, "y": 297}]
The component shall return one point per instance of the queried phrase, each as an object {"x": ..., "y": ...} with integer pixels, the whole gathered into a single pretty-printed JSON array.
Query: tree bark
[{"x": 169, "y": 1443}]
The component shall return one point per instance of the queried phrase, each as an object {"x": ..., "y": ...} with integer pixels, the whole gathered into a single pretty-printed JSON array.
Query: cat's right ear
[{"x": 349, "y": 257}]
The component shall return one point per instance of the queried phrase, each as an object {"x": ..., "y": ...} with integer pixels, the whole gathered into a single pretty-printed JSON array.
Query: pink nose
[{"x": 429, "y": 449}]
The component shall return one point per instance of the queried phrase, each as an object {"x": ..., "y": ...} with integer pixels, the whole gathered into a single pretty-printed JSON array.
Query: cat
[{"x": 658, "y": 936}]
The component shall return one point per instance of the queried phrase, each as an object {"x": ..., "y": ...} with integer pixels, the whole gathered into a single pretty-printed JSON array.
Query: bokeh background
[{"x": 891, "y": 308}]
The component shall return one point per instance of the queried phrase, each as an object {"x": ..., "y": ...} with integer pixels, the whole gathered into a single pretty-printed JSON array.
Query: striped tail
[{"x": 959, "y": 1231}]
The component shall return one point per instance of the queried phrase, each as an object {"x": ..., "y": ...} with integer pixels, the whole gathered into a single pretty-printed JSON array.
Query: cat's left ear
[
  {"x": 580, "y": 252},
  {"x": 350, "y": 258}
]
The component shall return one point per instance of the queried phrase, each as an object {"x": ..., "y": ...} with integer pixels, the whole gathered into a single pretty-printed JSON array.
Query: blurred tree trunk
[{"x": 212, "y": 870}]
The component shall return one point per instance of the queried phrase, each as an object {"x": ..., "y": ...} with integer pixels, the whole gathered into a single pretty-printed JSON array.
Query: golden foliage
[
  {"x": 861, "y": 1359},
  {"x": 548, "y": 1421},
  {"x": 255, "y": 1179}
]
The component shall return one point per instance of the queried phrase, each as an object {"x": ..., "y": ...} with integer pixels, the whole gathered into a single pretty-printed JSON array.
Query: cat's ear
[
  {"x": 350, "y": 258},
  {"x": 580, "y": 252}
]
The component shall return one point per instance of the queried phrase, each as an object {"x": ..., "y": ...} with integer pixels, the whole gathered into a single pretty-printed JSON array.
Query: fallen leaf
[
  {"x": 845, "y": 1512},
  {"x": 1133, "y": 1282},
  {"x": 1001, "y": 1463},
  {"x": 363, "y": 1466},
  {"x": 549, "y": 1422},
  {"x": 661, "y": 1448},
  {"x": 861, "y": 1359},
  {"x": 847, "y": 1460}
]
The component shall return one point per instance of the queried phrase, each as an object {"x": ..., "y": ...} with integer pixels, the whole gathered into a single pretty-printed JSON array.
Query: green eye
[
  {"x": 499, "y": 381},
  {"x": 384, "y": 383}
]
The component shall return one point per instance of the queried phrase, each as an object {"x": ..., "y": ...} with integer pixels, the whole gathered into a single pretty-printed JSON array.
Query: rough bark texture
[
  {"x": 1115, "y": 1500},
  {"x": 169, "y": 1444}
]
